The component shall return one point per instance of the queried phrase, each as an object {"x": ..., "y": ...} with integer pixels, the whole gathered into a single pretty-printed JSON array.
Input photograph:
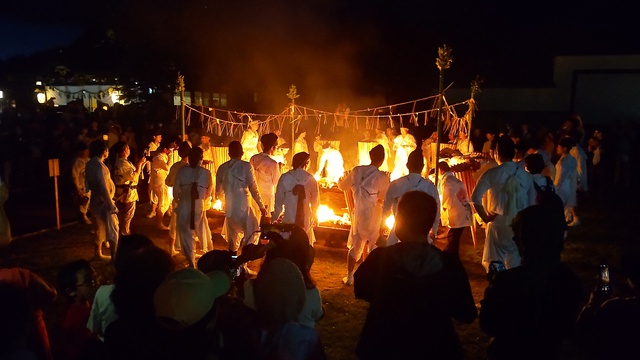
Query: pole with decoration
[
  {"x": 443, "y": 62},
  {"x": 180, "y": 88},
  {"x": 292, "y": 95}
]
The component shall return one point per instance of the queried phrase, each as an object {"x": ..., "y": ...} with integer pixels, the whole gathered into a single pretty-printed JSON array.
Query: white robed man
[
  {"x": 499, "y": 194},
  {"x": 297, "y": 199},
  {"x": 566, "y": 181},
  {"x": 331, "y": 162},
  {"x": 381, "y": 138},
  {"x": 403, "y": 145},
  {"x": 78, "y": 176},
  {"x": 208, "y": 158},
  {"x": 410, "y": 182},
  {"x": 103, "y": 208},
  {"x": 267, "y": 170},
  {"x": 250, "y": 139},
  {"x": 456, "y": 211},
  {"x": 236, "y": 182},
  {"x": 126, "y": 176},
  {"x": 149, "y": 153},
  {"x": 183, "y": 151},
  {"x": 463, "y": 144},
  {"x": 300, "y": 145},
  {"x": 369, "y": 186},
  {"x": 159, "y": 172},
  {"x": 192, "y": 187}
]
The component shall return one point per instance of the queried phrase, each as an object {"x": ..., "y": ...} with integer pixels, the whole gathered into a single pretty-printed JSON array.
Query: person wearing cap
[
  {"x": 159, "y": 172},
  {"x": 369, "y": 186},
  {"x": 301, "y": 144},
  {"x": 126, "y": 176},
  {"x": 280, "y": 298},
  {"x": 267, "y": 170},
  {"x": 403, "y": 145},
  {"x": 249, "y": 140},
  {"x": 103, "y": 208},
  {"x": 78, "y": 176},
  {"x": 410, "y": 182},
  {"x": 192, "y": 186},
  {"x": 296, "y": 198},
  {"x": 149, "y": 153},
  {"x": 235, "y": 182}
]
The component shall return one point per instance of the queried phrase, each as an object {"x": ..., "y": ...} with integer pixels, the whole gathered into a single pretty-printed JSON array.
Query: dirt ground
[{"x": 601, "y": 236}]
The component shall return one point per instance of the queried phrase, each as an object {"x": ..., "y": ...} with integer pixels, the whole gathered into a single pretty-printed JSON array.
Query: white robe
[
  {"x": 103, "y": 208},
  {"x": 403, "y": 145},
  {"x": 581, "y": 159},
  {"x": 300, "y": 146},
  {"x": 549, "y": 169},
  {"x": 456, "y": 208},
  {"x": 489, "y": 192},
  {"x": 566, "y": 181},
  {"x": 170, "y": 181},
  {"x": 159, "y": 172},
  {"x": 185, "y": 177},
  {"x": 369, "y": 186},
  {"x": 236, "y": 182},
  {"x": 333, "y": 163},
  {"x": 78, "y": 176},
  {"x": 249, "y": 141},
  {"x": 399, "y": 187},
  {"x": 267, "y": 174},
  {"x": 464, "y": 146},
  {"x": 287, "y": 202}
]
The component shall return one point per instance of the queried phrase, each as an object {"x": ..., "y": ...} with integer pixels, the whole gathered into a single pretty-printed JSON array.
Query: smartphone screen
[{"x": 605, "y": 283}]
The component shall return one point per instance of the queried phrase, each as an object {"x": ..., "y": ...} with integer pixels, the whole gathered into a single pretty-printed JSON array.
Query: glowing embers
[{"x": 326, "y": 215}]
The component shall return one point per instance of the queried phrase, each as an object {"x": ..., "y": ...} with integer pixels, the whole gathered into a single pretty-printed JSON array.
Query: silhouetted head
[{"x": 415, "y": 216}]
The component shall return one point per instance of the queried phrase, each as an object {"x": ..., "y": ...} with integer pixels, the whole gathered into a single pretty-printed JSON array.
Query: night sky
[{"x": 332, "y": 48}]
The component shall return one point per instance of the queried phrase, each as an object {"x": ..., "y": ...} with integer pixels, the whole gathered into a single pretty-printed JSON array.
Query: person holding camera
[{"x": 608, "y": 323}]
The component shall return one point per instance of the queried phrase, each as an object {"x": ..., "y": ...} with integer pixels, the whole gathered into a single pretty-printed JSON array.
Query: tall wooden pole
[
  {"x": 443, "y": 62},
  {"x": 180, "y": 88},
  {"x": 293, "y": 95}
]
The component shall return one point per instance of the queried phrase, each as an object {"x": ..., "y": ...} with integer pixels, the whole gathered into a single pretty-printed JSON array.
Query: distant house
[{"x": 601, "y": 89}]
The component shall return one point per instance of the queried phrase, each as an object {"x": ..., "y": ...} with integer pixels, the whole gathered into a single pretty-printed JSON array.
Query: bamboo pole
[
  {"x": 180, "y": 88},
  {"x": 292, "y": 95},
  {"x": 443, "y": 62}
]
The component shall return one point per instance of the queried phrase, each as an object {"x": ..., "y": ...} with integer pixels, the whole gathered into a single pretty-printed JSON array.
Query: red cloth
[
  {"x": 25, "y": 279},
  {"x": 76, "y": 333}
]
